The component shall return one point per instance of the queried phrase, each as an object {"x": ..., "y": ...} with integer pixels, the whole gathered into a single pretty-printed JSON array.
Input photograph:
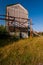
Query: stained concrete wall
[{"x": 17, "y": 11}]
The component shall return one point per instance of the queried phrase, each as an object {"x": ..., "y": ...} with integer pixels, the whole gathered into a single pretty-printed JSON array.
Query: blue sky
[{"x": 34, "y": 7}]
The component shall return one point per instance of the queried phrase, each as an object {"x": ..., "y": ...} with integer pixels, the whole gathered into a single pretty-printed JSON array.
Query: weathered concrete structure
[{"x": 20, "y": 20}]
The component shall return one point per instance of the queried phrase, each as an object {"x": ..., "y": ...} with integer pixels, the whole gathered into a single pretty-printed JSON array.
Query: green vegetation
[
  {"x": 3, "y": 32},
  {"x": 2, "y": 29},
  {"x": 22, "y": 52}
]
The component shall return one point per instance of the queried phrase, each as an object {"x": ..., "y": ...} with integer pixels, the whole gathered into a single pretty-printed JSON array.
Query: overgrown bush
[{"x": 3, "y": 32}]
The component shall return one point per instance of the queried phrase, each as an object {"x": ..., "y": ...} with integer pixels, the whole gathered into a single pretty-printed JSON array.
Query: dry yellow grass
[{"x": 23, "y": 52}]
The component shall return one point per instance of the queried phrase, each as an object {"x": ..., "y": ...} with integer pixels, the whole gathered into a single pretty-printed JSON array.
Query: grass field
[{"x": 22, "y": 52}]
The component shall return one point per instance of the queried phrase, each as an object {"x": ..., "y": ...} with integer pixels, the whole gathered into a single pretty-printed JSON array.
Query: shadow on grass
[{"x": 6, "y": 39}]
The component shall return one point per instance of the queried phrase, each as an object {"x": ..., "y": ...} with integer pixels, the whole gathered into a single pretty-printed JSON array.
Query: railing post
[{"x": 30, "y": 28}]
